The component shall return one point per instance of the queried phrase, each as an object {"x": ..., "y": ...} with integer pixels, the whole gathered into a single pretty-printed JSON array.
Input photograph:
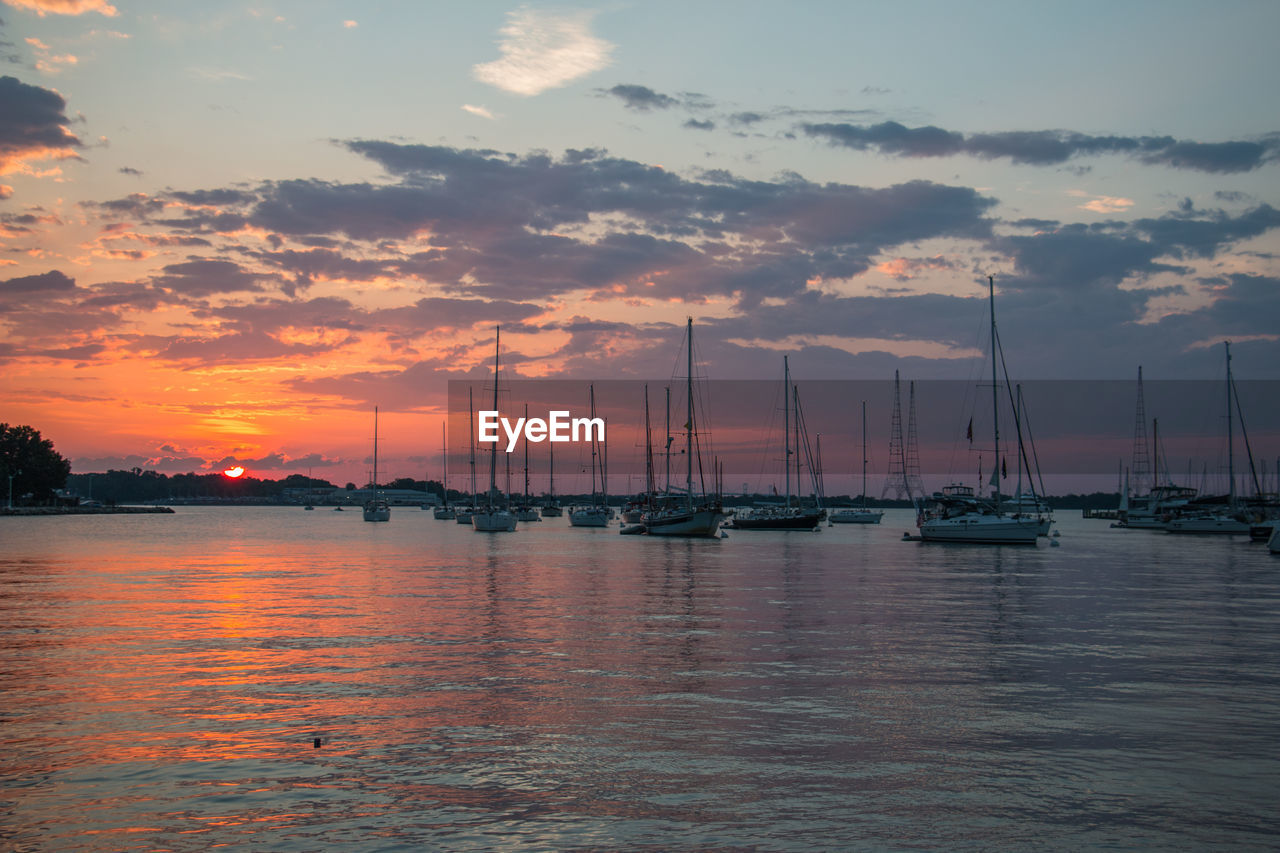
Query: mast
[
  {"x": 471, "y": 428},
  {"x": 493, "y": 451},
  {"x": 995, "y": 397},
  {"x": 375, "y": 452},
  {"x": 591, "y": 393},
  {"x": 786, "y": 428},
  {"x": 444, "y": 444},
  {"x": 688, "y": 432},
  {"x": 1231, "y": 462},
  {"x": 666, "y": 485},
  {"x": 551, "y": 470},
  {"x": 649, "y": 486},
  {"x": 526, "y": 459},
  {"x": 864, "y": 454}
]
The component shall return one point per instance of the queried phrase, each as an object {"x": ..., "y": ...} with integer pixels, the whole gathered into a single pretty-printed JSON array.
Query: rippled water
[{"x": 163, "y": 678}]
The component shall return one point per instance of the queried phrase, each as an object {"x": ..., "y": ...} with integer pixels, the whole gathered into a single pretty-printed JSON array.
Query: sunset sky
[{"x": 229, "y": 230}]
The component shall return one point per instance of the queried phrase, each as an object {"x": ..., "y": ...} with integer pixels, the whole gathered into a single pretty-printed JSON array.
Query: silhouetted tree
[{"x": 37, "y": 469}]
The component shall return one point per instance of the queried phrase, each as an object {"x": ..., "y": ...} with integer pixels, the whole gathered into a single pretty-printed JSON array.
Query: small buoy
[
  {"x": 724, "y": 535},
  {"x": 1057, "y": 533},
  {"x": 1054, "y": 543},
  {"x": 315, "y": 744}
]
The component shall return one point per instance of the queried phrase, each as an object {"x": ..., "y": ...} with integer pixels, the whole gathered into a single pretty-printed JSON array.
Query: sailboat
[
  {"x": 551, "y": 507},
  {"x": 792, "y": 516},
  {"x": 686, "y": 515},
  {"x": 595, "y": 515},
  {"x": 376, "y": 508},
  {"x": 860, "y": 515},
  {"x": 462, "y": 515},
  {"x": 957, "y": 515},
  {"x": 1224, "y": 519},
  {"x": 493, "y": 518},
  {"x": 446, "y": 512},
  {"x": 527, "y": 511}
]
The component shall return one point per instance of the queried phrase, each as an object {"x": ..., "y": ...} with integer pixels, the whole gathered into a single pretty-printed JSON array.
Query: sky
[{"x": 229, "y": 230}]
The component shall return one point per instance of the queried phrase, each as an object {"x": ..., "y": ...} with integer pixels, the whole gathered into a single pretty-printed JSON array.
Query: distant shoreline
[{"x": 85, "y": 510}]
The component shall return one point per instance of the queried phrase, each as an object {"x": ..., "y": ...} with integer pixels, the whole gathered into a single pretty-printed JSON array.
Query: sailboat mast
[
  {"x": 493, "y": 451},
  {"x": 786, "y": 427},
  {"x": 375, "y": 451},
  {"x": 444, "y": 446},
  {"x": 526, "y": 457},
  {"x": 688, "y": 433},
  {"x": 995, "y": 395},
  {"x": 864, "y": 454},
  {"x": 1231, "y": 462},
  {"x": 471, "y": 428}
]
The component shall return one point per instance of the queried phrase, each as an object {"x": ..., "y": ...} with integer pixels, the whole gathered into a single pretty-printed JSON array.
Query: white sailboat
[
  {"x": 685, "y": 515},
  {"x": 860, "y": 515},
  {"x": 493, "y": 518},
  {"x": 376, "y": 508},
  {"x": 956, "y": 514}
]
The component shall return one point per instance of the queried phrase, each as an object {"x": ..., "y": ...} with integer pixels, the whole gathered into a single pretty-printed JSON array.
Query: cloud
[
  {"x": 1048, "y": 147},
  {"x": 478, "y": 111},
  {"x": 350, "y": 25},
  {"x": 541, "y": 51},
  {"x": 65, "y": 7},
  {"x": 207, "y": 276},
  {"x": 33, "y": 126},
  {"x": 641, "y": 98}
]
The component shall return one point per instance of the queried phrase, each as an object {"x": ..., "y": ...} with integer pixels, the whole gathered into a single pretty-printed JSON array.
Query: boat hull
[
  {"x": 859, "y": 516},
  {"x": 377, "y": 512},
  {"x": 1208, "y": 524},
  {"x": 497, "y": 521},
  {"x": 780, "y": 521},
  {"x": 1273, "y": 544},
  {"x": 982, "y": 530},
  {"x": 443, "y": 513},
  {"x": 698, "y": 522},
  {"x": 589, "y": 518}
]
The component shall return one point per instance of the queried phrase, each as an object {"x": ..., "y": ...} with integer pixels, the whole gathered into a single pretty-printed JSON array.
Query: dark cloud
[
  {"x": 54, "y": 281},
  {"x": 207, "y": 276},
  {"x": 1048, "y": 147},
  {"x": 695, "y": 124},
  {"x": 33, "y": 123},
  {"x": 641, "y": 98}
]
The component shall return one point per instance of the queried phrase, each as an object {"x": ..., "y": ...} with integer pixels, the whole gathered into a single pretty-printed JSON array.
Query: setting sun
[{"x": 234, "y": 472}]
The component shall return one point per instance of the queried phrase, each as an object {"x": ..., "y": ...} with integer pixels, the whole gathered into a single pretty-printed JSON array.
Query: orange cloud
[{"x": 65, "y": 7}]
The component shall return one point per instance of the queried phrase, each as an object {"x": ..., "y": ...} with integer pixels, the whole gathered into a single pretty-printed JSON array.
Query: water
[{"x": 163, "y": 678}]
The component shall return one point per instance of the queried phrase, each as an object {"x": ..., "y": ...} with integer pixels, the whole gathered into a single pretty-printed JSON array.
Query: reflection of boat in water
[
  {"x": 860, "y": 515},
  {"x": 956, "y": 514},
  {"x": 791, "y": 515},
  {"x": 494, "y": 518},
  {"x": 686, "y": 514},
  {"x": 376, "y": 508}
]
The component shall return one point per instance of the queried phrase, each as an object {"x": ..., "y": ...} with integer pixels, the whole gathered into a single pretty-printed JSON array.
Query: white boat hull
[
  {"x": 856, "y": 516},
  {"x": 496, "y": 521},
  {"x": 698, "y": 522},
  {"x": 377, "y": 512},
  {"x": 982, "y": 530},
  {"x": 591, "y": 517},
  {"x": 1208, "y": 524}
]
